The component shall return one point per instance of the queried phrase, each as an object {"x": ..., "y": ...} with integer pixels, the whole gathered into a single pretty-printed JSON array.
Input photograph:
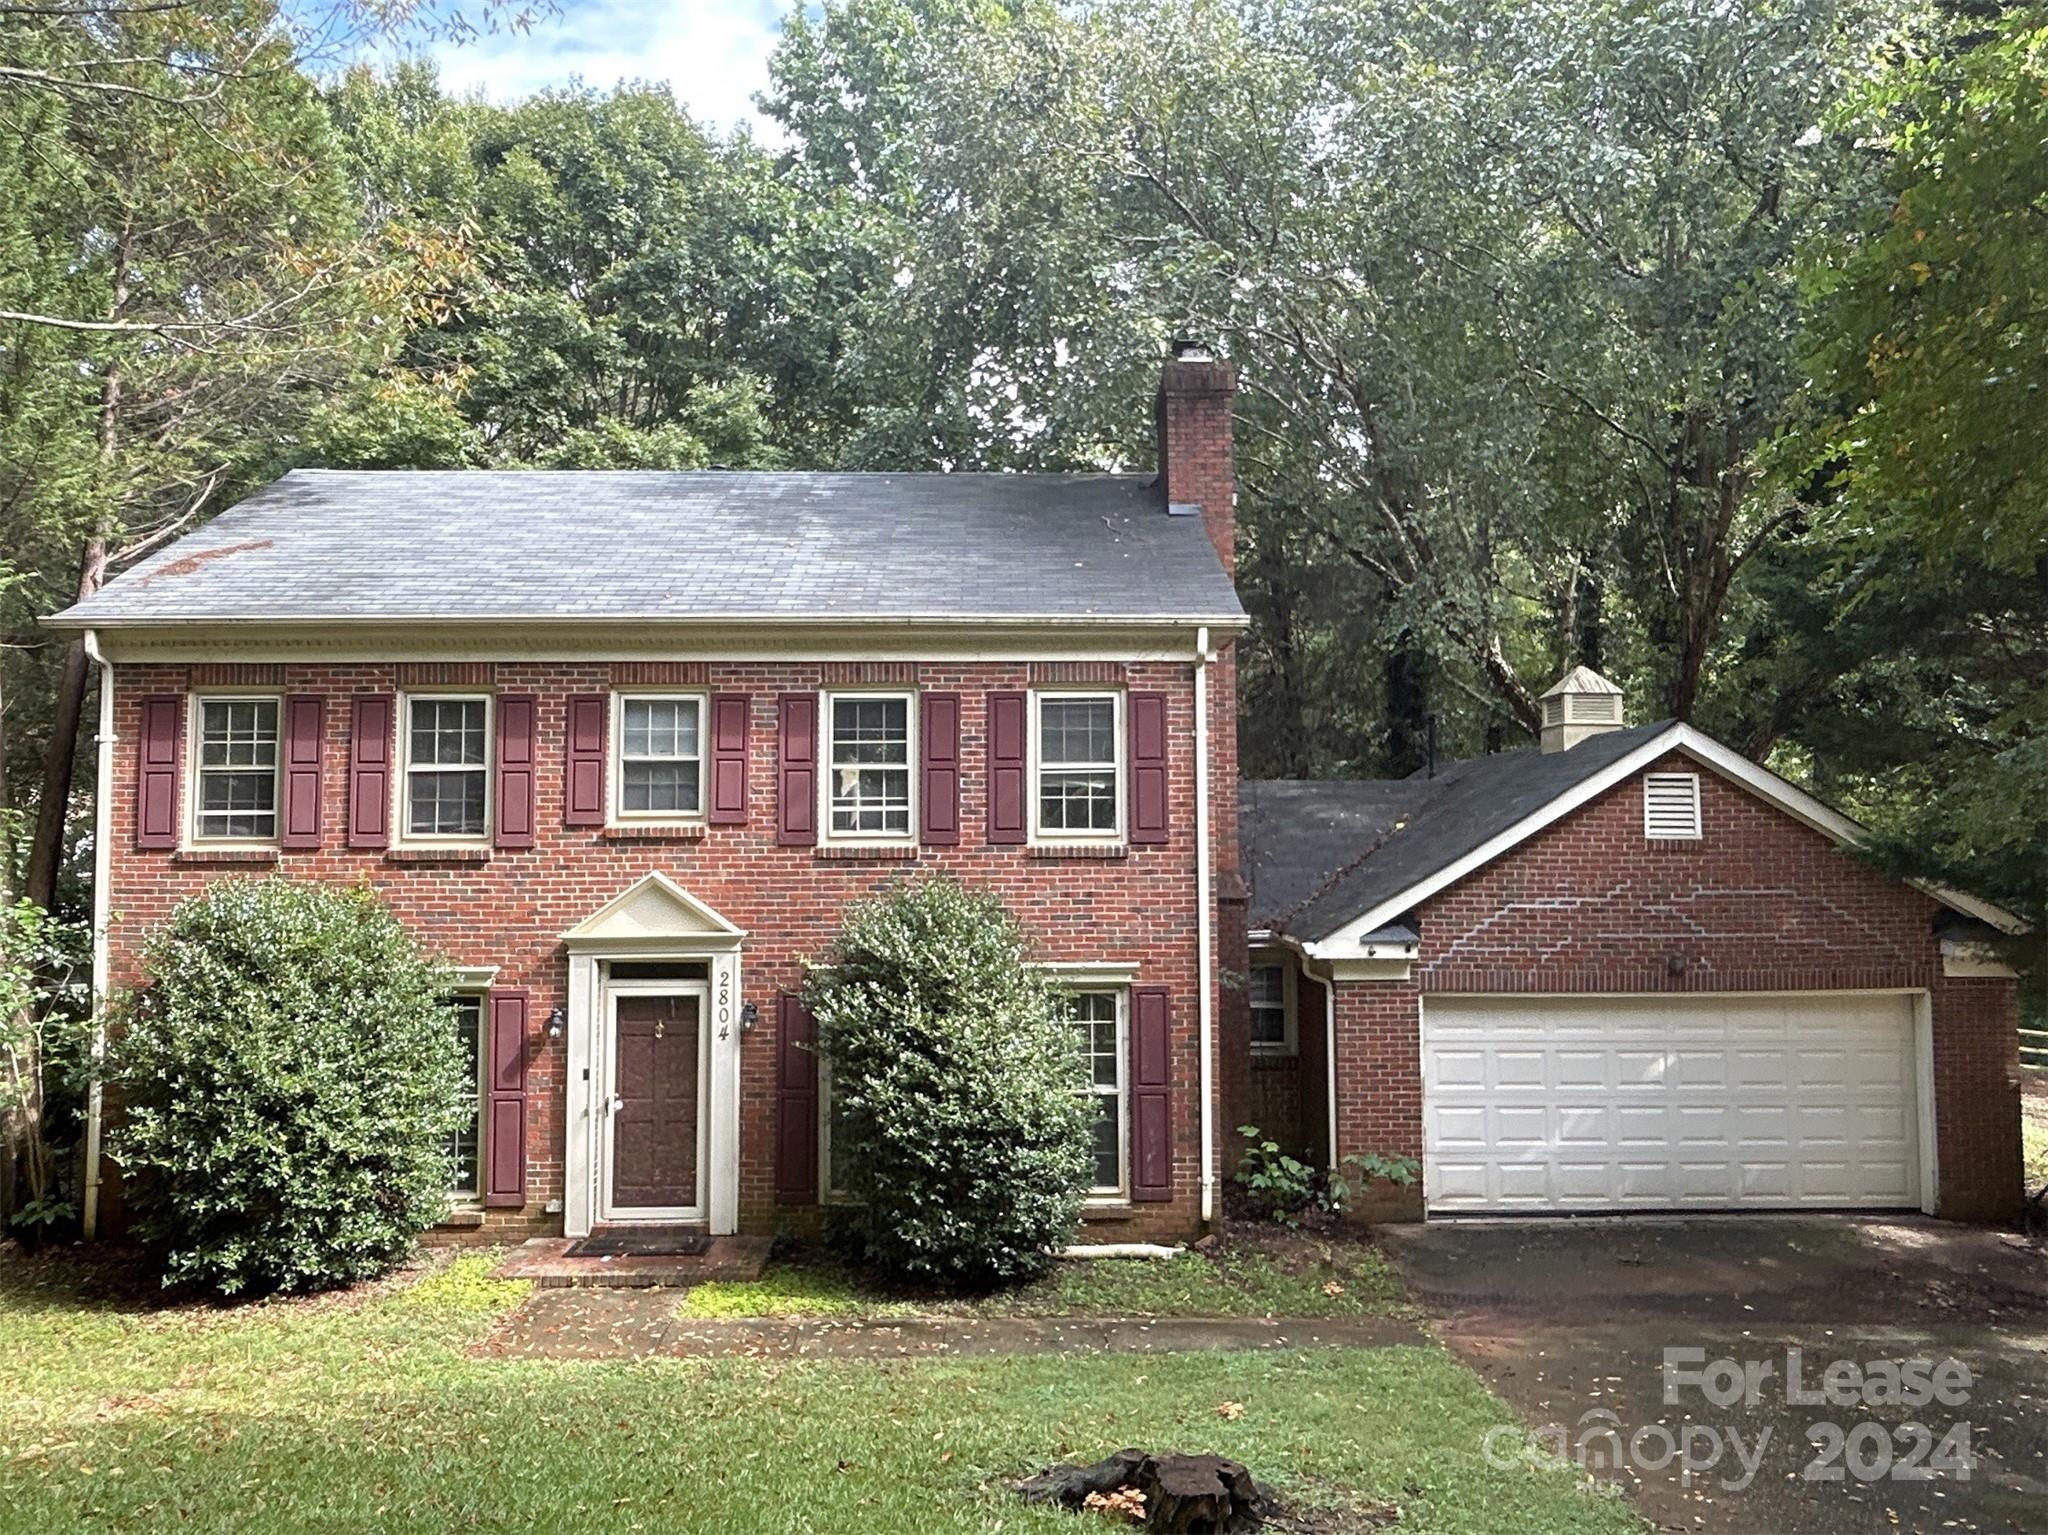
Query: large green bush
[
  {"x": 954, "y": 1083},
  {"x": 287, "y": 1083}
]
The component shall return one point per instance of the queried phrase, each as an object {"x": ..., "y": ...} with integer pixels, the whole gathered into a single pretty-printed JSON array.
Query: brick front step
[{"x": 546, "y": 1261}]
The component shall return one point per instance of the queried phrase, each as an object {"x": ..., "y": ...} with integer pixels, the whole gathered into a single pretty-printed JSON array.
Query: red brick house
[{"x": 621, "y": 746}]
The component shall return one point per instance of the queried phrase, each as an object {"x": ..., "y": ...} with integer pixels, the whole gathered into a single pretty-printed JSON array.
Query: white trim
[
  {"x": 607, "y": 1093},
  {"x": 1119, "y": 767},
  {"x": 1078, "y": 973},
  {"x": 1097, "y": 1195},
  {"x": 196, "y": 699},
  {"x": 910, "y": 700},
  {"x": 473, "y": 1198},
  {"x": 472, "y": 977},
  {"x": 1329, "y": 985},
  {"x": 1205, "y": 973},
  {"x": 1923, "y": 1082},
  {"x": 402, "y": 834},
  {"x": 1766, "y": 785},
  {"x": 703, "y": 927},
  {"x": 1289, "y": 1043},
  {"x": 615, "y": 762},
  {"x": 102, "y": 917}
]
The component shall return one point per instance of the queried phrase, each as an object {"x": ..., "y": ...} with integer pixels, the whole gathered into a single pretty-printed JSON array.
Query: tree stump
[{"x": 1184, "y": 1494}]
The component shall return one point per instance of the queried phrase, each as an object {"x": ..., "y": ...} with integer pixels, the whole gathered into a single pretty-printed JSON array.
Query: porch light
[
  {"x": 556, "y": 1023},
  {"x": 750, "y": 1015}
]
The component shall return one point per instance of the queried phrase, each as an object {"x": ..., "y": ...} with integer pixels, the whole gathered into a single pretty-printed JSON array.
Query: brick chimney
[{"x": 1197, "y": 464}]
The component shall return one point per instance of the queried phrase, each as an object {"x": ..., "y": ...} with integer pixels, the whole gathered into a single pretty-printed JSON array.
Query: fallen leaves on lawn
[
  {"x": 1124, "y": 1503},
  {"x": 1230, "y": 1411}
]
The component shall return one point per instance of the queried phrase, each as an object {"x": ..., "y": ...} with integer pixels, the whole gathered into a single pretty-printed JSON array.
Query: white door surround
[
  {"x": 656, "y": 920},
  {"x": 1705, "y": 1101},
  {"x": 607, "y": 1096}
]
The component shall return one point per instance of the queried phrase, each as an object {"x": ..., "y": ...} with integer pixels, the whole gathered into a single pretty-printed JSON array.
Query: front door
[{"x": 658, "y": 1059}]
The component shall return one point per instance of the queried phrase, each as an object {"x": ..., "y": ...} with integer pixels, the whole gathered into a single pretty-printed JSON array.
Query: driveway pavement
[{"x": 1570, "y": 1322}]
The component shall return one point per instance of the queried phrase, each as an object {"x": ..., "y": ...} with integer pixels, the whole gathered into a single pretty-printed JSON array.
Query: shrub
[
  {"x": 955, "y": 1089},
  {"x": 287, "y": 1086},
  {"x": 1282, "y": 1188}
]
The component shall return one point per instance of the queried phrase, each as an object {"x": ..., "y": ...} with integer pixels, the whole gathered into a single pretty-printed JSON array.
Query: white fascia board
[{"x": 1346, "y": 942}]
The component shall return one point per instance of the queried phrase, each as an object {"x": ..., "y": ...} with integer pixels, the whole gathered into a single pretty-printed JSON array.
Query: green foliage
[
  {"x": 1283, "y": 1189},
  {"x": 44, "y": 1036},
  {"x": 955, "y": 1088},
  {"x": 287, "y": 1083}
]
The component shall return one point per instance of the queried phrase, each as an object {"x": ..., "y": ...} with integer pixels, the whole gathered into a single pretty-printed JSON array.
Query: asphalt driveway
[{"x": 1584, "y": 1327}]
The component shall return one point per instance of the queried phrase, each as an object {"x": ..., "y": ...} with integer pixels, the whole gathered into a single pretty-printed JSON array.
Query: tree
[
  {"x": 959, "y": 1124},
  {"x": 288, "y": 1083}
]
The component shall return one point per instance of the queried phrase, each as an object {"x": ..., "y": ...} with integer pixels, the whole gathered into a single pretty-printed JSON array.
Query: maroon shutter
[
  {"x": 157, "y": 750},
  {"x": 728, "y": 759},
  {"x": 1148, "y": 767},
  {"x": 796, "y": 1104},
  {"x": 796, "y": 769},
  {"x": 583, "y": 761},
  {"x": 1007, "y": 733},
  {"x": 939, "y": 792},
  {"x": 505, "y": 1115},
  {"x": 1151, "y": 1094},
  {"x": 518, "y": 764},
  {"x": 369, "y": 771},
  {"x": 305, "y": 730}
]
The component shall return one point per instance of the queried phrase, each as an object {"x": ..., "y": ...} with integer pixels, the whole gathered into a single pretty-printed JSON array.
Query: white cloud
[{"x": 713, "y": 53}]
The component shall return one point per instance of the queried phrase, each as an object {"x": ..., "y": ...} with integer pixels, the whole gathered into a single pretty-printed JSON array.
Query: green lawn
[
  {"x": 367, "y": 1413},
  {"x": 1292, "y": 1279}
]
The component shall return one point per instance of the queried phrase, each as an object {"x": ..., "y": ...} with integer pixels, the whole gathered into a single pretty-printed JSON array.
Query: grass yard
[
  {"x": 2034, "y": 1130},
  {"x": 1271, "y": 1275},
  {"x": 365, "y": 1412}
]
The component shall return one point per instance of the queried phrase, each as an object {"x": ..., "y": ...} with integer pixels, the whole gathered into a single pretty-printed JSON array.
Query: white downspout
[
  {"x": 102, "y": 905},
  {"x": 1330, "y": 1060},
  {"x": 1203, "y": 967}
]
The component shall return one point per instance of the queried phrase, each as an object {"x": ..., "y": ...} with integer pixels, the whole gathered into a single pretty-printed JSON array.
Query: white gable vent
[{"x": 1671, "y": 807}]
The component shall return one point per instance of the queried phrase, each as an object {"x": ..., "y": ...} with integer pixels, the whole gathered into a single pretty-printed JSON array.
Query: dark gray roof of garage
[
  {"x": 599, "y": 545},
  {"x": 1322, "y": 853}
]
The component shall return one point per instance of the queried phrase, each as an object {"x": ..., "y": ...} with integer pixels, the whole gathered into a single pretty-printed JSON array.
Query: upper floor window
[
  {"x": 236, "y": 769},
  {"x": 660, "y": 757},
  {"x": 868, "y": 767},
  {"x": 1079, "y": 766},
  {"x": 1097, "y": 1016},
  {"x": 1272, "y": 1018},
  {"x": 447, "y": 767}
]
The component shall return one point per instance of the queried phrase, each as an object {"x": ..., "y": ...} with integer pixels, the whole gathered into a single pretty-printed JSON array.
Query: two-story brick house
[{"x": 621, "y": 746}]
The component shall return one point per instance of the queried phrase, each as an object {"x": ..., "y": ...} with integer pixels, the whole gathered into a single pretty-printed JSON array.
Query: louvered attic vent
[{"x": 1671, "y": 807}]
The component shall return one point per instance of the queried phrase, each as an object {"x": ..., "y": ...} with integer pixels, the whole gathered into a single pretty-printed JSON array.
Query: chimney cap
[
  {"x": 1187, "y": 349},
  {"x": 1581, "y": 679}
]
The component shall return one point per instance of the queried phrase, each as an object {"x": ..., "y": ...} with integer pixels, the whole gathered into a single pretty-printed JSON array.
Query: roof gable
[{"x": 656, "y": 910}]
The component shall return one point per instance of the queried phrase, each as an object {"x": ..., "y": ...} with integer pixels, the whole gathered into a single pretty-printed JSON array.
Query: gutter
[
  {"x": 1203, "y": 923},
  {"x": 102, "y": 905}
]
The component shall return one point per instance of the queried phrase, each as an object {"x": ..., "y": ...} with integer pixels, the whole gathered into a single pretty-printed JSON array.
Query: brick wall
[
  {"x": 509, "y": 910},
  {"x": 1761, "y": 903}
]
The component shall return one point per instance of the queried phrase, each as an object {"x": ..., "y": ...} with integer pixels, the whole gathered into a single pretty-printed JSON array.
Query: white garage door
[{"x": 1644, "y": 1103}]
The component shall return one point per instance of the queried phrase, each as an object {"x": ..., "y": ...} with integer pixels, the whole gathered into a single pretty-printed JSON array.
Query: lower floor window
[
  {"x": 1098, "y": 1023},
  {"x": 1269, "y": 1010},
  {"x": 465, "y": 1144}
]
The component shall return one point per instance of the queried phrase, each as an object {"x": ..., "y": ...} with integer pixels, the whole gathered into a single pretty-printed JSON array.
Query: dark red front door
[{"x": 654, "y": 1126}]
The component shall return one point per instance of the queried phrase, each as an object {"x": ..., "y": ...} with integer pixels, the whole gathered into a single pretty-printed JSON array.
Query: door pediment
[{"x": 655, "y": 912}]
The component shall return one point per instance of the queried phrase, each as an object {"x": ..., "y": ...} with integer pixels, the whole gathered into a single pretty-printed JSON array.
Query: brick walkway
[{"x": 641, "y": 1324}]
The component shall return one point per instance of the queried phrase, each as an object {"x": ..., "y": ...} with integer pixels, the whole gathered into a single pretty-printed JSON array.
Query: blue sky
[{"x": 713, "y": 52}]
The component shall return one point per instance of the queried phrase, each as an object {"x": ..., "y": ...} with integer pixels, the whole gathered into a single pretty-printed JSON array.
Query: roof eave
[{"x": 71, "y": 621}]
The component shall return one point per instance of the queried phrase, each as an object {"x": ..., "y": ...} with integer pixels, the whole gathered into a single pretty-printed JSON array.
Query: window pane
[
  {"x": 237, "y": 790},
  {"x": 465, "y": 1144},
  {"x": 1077, "y": 801},
  {"x": 448, "y": 732},
  {"x": 659, "y": 786},
  {"x": 447, "y": 804},
  {"x": 1108, "y": 1162},
  {"x": 871, "y": 730},
  {"x": 660, "y": 727},
  {"x": 870, "y": 755},
  {"x": 238, "y": 733},
  {"x": 1269, "y": 1025},
  {"x": 1077, "y": 730}
]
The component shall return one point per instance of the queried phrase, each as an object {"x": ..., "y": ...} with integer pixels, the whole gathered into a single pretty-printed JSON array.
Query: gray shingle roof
[
  {"x": 1373, "y": 839},
  {"x": 619, "y": 544}
]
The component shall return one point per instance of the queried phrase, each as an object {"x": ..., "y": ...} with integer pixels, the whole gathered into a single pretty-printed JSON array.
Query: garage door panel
[{"x": 1670, "y": 1102}]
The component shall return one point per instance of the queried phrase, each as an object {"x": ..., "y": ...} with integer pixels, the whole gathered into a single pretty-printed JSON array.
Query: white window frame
[
  {"x": 403, "y": 834},
  {"x": 1121, "y": 991},
  {"x": 828, "y": 1192},
  {"x": 1290, "y": 1043},
  {"x": 472, "y": 1199},
  {"x": 1119, "y": 768},
  {"x": 615, "y": 769},
  {"x": 1690, "y": 783},
  {"x": 909, "y": 698},
  {"x": 195, "y": 719}
]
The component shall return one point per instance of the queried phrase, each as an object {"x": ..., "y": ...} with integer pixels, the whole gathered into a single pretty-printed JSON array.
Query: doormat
[{"x": 651, "y": 1244}]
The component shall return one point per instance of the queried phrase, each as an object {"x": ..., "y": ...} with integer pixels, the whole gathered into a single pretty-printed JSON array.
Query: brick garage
[{"x": 1762, "y": 904}]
